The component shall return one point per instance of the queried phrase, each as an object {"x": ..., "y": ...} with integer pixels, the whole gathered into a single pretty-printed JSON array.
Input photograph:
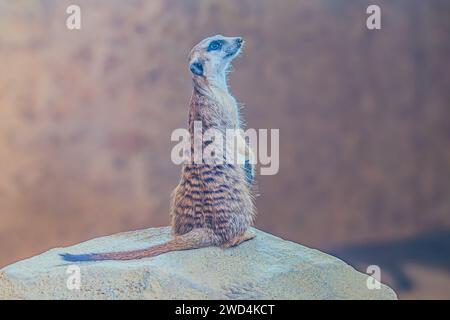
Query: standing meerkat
[{"x": 213, "y": 203}]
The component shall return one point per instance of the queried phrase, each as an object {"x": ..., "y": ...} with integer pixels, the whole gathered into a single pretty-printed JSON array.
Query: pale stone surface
[{"x": 266, "y": 267}]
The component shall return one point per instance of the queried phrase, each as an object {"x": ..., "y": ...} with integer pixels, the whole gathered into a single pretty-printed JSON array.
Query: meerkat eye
[{"x": 215, "y": 45}]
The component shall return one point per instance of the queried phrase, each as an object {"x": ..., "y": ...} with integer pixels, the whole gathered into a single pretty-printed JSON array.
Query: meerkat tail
[{"x": 197, "y": 238}]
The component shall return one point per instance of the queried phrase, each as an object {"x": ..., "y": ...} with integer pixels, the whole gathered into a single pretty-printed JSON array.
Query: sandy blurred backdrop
[{"x": 364, "y": 119}]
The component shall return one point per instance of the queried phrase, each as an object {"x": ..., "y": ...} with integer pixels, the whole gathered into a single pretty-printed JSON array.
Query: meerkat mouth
[{"x": 233, "y": 52}]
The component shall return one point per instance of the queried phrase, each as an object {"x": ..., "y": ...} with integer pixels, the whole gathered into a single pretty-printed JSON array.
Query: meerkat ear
[{"x": 196, "y": 67}]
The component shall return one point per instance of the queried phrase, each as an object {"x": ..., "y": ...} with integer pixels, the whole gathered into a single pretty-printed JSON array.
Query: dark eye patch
[{"x": 215, "y": 45}]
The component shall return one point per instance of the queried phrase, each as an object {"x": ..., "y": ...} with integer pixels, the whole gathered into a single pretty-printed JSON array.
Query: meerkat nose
[{"x": 239, "y": 41}]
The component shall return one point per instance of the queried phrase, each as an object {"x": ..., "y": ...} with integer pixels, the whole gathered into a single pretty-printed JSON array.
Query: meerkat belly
[{"x": 213, "y": 197}]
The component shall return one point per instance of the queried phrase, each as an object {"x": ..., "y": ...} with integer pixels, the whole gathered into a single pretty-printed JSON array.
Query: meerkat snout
[
  {"x": 212, "y": 56},
  {"x": 233, "y": 49}
]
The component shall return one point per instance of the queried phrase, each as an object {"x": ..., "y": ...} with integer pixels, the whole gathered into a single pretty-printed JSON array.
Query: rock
[{"x": 265, "y": 267}]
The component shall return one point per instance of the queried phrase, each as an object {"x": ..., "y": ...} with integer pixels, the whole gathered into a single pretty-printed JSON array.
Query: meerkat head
[{"x": 210, "y": 59}]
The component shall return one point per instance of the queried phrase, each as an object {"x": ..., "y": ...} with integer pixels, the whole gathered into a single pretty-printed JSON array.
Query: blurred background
[{"x": 364, "y": 119}]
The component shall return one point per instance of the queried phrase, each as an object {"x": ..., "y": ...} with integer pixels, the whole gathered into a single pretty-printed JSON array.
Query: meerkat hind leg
[{"x": 239, "y": 239}]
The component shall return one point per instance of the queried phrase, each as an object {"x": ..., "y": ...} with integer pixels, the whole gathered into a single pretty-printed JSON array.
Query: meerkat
[{"x": 213, "y": 204}]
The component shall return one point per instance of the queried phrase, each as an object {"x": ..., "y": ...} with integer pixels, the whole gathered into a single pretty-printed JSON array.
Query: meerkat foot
[
  {"x": 239, "y": 239},
  {"x": 248, "y": 235}
]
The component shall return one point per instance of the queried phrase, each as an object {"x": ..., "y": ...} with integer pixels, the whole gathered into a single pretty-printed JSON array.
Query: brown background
[{"x": 364, "y": 119}]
